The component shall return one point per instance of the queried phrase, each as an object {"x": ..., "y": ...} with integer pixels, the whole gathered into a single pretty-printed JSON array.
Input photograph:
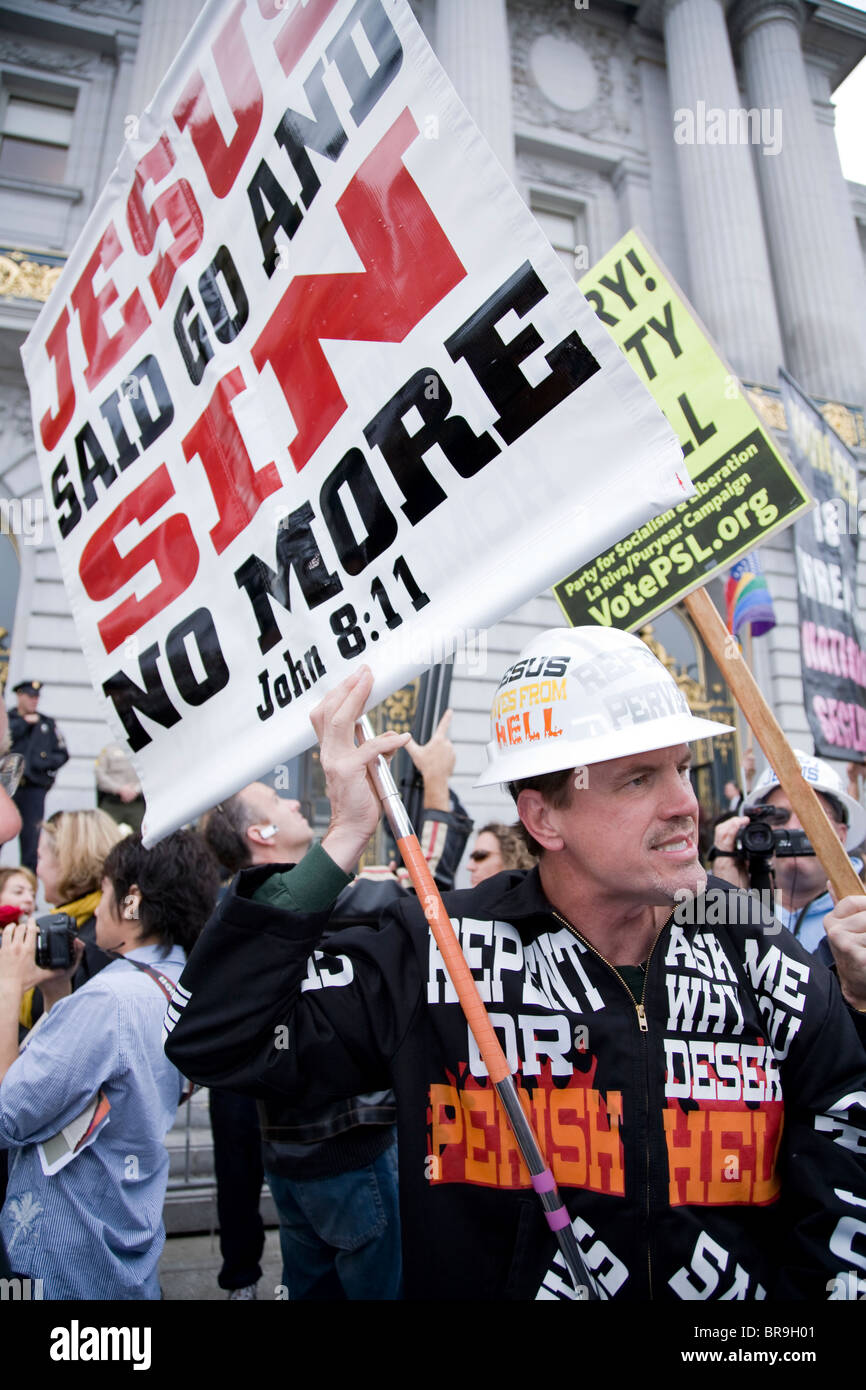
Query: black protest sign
[{"x": 825, "y": 547}]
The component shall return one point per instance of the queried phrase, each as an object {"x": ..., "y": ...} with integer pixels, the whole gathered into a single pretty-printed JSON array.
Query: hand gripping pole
[{"x": 542, "y": 1178}]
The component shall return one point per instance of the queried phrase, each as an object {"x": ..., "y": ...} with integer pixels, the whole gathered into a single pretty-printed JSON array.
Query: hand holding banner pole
[
  {"x": 542, "y": 1178},
  {"x": 810, "y": 812}
]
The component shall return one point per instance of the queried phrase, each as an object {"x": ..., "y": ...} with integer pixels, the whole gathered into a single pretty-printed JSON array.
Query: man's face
[
  {"x": 293, "y": 833},
  {"x": 802, "y": 874},
  {"x": 632, "y": 832},
  {"x": 26, "y": 703}
]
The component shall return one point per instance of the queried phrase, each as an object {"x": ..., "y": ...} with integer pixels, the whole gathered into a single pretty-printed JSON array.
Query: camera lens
[{"x": 758, "y": 838}]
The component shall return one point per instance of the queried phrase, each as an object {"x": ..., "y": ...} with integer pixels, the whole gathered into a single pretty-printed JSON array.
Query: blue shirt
[
  {"x": 807, "y": 924},
  {"x": 94, "y": 1229}
]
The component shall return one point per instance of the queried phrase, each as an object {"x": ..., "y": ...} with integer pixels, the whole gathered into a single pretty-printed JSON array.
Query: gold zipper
[
  {"x": 642, "y": 1024},
  {"x": 638, "y": 1007},
  {"x": 642, "y": 1015}
]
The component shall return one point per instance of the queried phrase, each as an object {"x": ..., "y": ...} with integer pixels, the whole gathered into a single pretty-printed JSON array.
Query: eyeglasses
[
  {"x": 478, "y": 856},
  {"x": 11, "y": 772}
]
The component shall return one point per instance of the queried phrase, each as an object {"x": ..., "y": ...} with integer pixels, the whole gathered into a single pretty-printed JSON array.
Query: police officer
[{"x": 36, "y": 737}]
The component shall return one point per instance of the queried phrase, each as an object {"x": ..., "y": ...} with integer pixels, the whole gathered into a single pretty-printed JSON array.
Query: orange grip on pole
[{"x": 454, "y": 959}]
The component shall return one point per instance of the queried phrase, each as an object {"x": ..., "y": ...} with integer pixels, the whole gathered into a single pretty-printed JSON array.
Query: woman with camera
[
  {"x": 86, "y": 1105},
  {"x": 71, "y": 850}
]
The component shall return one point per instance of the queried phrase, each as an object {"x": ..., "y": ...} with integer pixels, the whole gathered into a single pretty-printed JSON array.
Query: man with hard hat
[
  {"x": 38, "y": 740},
  {"x": 802, "y": 900},
  {"x": 671, "y": 1070}
]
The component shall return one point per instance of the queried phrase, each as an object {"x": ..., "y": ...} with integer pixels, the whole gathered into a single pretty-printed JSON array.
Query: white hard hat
[
  {"x": 582, "y": 695},
  {"x": 821, "y": 778}
]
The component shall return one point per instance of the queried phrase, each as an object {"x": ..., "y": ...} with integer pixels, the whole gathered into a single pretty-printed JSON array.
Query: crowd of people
[{"x": 696, "y": 1080}]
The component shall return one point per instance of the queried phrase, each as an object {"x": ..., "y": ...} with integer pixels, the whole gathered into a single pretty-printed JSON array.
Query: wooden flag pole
[
  {"x": 809, "y": 811},
  {"x": 750, "y": 661}
]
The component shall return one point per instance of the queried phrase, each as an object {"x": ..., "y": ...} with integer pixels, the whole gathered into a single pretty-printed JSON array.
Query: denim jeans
[{"x": 340, "y": 1236}]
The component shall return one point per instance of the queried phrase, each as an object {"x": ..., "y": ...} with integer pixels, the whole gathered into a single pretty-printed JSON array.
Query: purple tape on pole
[
  {"x": 544, "y": 1182},
  {"x": 557, "y": 1219}
]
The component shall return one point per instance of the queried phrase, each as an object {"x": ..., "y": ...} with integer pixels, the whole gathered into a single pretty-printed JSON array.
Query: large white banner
[{"x": 312, "y": 388}]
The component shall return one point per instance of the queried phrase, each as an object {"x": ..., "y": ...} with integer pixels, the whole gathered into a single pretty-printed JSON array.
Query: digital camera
[{"x": 55, "y": 943}]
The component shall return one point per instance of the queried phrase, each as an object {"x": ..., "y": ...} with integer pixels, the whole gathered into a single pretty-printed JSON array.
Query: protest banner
[
  {"x": 745, "y": 489},
  {"x": 832, "y": 654},
  {"x": 313, "y": 387}
]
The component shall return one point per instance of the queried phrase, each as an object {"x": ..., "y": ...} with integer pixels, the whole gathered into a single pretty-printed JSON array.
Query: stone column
[
  {"x": 820, "y": 311},
  {"x": 631, "y": 184},
  {"x": 473, "y": 47},
  {"x": 731, "y": 286},
  {"x": 116, "y": 130},
  {"x": 164, "y": 26},
  {"x": 825, "y": 117}
]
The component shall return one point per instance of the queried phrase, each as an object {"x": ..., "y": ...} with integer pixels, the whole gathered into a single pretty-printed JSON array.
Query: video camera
[
  {"x": 759, "y": 839},
  {"x": 762, "y": 840}
]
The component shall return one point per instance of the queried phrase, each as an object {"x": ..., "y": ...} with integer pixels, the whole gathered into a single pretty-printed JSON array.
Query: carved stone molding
[
  {"x": 559, "y": 173},
  {"x": 614, "y": 106},
  {"x": 115, "y": 9},
  {"x": 15, "y": 410},
  {"x": 54, "y": 58}
]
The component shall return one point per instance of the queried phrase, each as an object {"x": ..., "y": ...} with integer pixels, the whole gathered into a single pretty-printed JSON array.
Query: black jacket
[
  {"x": 289, "y": 1133},
  {"x": 717, "y": 1153},
  {"x": 41, "y": 745}
]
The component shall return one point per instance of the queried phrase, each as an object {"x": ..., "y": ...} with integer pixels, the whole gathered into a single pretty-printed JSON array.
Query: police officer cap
[{"x": 27, "y": 688}]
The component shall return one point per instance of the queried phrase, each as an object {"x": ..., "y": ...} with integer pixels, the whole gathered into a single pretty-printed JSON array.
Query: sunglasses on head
[{"x": 479, "y": 855}]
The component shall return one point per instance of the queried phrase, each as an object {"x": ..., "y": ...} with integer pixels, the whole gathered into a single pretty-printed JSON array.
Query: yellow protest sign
[{"x": 745, "y": 489}]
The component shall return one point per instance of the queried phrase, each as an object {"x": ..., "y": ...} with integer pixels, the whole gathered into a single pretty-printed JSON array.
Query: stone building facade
[{"x": 581, "y": 102}]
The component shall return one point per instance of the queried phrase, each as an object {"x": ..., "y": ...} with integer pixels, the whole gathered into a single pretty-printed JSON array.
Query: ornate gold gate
[{"x": 675, "y": 640}]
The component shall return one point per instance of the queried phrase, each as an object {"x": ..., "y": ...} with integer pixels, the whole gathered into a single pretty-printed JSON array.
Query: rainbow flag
[{"x": 748, "y": 598}]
